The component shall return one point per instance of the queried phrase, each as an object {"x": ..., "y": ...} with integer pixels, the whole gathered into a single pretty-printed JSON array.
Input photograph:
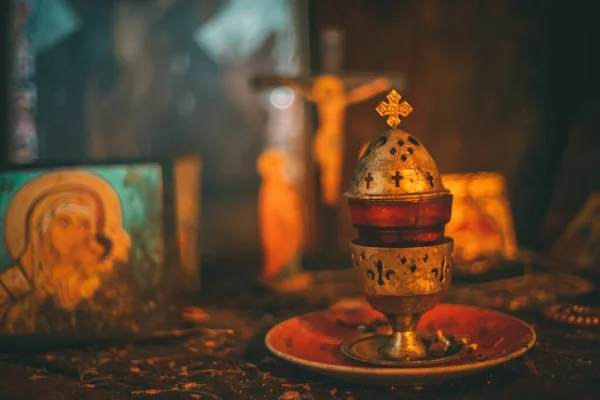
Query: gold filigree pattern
[{"x": 412, "y": 271}]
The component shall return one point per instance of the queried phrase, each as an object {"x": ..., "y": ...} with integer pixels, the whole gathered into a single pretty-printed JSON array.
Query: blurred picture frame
[
  {"x": 86, "y": 250},
  {"x": 482, "y": 224},
  {"x": 188, "y": 188}
]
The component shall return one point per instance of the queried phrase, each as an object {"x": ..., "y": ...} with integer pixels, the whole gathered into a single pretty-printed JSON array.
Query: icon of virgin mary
[{"x": 65, "y": 236}]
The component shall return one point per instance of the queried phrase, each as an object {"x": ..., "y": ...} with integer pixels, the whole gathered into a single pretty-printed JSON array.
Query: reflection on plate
[{"x": 313, "y": 341}]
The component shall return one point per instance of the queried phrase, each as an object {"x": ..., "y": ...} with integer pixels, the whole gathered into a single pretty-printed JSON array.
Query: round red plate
[{"x": 314, "y": 340}]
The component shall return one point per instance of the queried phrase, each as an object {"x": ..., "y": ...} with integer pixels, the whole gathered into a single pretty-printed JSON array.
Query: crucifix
[{"x": 332, "y": 91}]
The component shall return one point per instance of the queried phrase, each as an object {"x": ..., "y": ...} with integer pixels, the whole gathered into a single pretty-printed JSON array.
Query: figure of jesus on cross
[
  {"x": 330, "y": 95},
  {"x": 332, "y": 91}
]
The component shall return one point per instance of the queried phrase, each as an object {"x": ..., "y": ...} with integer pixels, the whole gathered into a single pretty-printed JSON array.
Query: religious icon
[
  {"x": 82, "y": 248},
  {"x": 281, "y": 220},
  {"x": 64, "y": 240},
  {"x": 481, "y": 225},
  {"x": 332, "y": 99}
]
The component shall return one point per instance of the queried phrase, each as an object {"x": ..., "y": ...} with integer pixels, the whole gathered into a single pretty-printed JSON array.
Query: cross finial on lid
[{"x": 393, "y": 109}]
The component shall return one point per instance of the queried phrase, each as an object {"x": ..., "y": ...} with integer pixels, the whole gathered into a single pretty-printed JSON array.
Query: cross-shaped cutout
[
  {"x": 368, "y": 179},
  {"x": 429, "y": 178},
  {"x": 394, "y": 109},
  {"x": 397, "y": 178}
]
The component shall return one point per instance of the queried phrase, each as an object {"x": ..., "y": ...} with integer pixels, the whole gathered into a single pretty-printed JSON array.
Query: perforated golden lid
[{"x": 395, "y": 166}]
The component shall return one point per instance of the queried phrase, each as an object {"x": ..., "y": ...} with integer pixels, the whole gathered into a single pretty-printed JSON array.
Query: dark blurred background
[{"x": 509, "y": 86}]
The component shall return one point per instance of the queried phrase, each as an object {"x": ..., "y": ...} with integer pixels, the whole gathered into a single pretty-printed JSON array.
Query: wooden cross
[
  {"x": 393, "y": 109},
  {"x": 397, "y": 178},
  {"x": 332, "y": 92}
]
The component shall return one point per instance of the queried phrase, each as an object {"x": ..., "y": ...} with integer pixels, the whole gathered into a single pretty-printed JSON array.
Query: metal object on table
[
  {"x": 574, "y": 314},
  {"x": 400, "y": 207},
  {"x": 403, "y": 283}
]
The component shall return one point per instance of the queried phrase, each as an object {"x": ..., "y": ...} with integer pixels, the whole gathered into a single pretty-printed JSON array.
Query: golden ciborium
[{"x": 399, "y": 205}]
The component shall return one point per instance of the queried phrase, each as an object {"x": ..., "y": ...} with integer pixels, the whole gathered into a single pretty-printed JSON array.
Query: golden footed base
[{"x": 371, "y": 348}]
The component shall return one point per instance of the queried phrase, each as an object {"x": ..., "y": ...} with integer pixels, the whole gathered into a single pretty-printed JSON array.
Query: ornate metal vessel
[{"x": 400, "y": 207}]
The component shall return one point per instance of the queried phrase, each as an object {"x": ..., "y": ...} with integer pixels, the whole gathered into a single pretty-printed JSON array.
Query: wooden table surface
[{"x": 226, "y": 359}]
